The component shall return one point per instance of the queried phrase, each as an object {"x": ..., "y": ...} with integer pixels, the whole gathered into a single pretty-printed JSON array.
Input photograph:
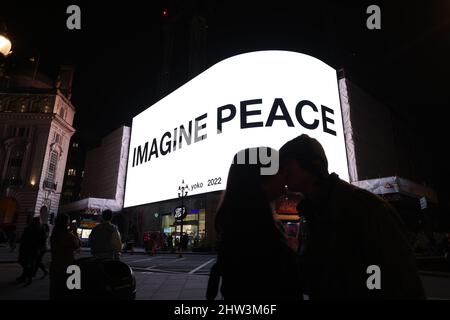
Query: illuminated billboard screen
[{"x": 262, "y": 98}]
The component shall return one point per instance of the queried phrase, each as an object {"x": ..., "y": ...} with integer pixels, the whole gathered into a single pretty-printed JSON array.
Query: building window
[
  {"x": 15, "y": 164},
  {"x": 62, "y": 112},
  {"x": 23, "y": 108},
  {"x": 47, "y": 109},
  {"x": 75, "y": 145},
  {"x": 57, "y": 138},
  {"x": 72, "y": 172},
  {"x": 52, "y": 166},
  {"x": 35, "y": 106},
  {"x": 21, "y": 132},
  {"x": 11, "y": 131}
]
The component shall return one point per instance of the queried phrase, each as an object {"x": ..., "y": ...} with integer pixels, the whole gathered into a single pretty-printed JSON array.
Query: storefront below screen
[{"x": 193, "y": 226}]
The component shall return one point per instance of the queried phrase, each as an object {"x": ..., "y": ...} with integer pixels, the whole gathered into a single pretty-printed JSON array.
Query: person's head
[
  {"x": 107, "y": 215},
  {"x": 245, "y": 203},
  {"x": 303, "y": 164},
  {"x": 61, "y": 222}
]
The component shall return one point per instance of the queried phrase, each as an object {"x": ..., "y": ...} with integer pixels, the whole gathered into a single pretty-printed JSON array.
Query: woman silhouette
[{"x": 254, "y": 259}]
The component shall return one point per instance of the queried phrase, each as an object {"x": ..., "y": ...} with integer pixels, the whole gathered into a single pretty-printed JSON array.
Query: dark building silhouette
[
  {"x": 184, "y": 44},
  {"x": 73, "y": 176}
]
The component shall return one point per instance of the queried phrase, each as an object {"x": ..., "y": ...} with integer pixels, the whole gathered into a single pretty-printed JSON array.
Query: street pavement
[
  {"x": 189, "y": 263},
  {"x": 164, "y": 276}
]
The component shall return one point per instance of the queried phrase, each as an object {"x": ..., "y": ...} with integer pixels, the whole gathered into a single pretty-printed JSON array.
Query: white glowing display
[{"x": 252, "y": 85}]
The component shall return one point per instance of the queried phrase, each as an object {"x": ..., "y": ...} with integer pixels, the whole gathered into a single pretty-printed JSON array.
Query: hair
[
  {"x": 107, "y": 215},
  {"x": 244, "y": 209},
  {"x": 308, "y": 153},
  {"x": 61, "y": 223}
]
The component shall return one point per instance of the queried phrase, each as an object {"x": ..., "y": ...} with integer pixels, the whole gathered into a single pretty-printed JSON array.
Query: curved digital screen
[{"x": 262, "y": 98}]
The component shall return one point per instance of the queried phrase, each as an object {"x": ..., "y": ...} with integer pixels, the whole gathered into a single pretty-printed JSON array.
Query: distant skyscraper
[{"x": 184, "y": 47}]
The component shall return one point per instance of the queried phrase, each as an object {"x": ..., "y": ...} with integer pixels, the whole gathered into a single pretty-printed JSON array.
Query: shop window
[
  {"x": 202, "y": 224},
  {"x": 193, "y": 225},
  {"x": 72, "y": 172}
]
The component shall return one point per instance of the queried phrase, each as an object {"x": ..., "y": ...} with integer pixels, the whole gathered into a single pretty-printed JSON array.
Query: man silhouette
[
  {"x": 104, "y": 239},
  {"x": 349, "y": 230}
]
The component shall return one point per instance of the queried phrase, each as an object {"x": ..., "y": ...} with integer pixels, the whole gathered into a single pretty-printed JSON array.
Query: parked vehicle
[{"x": 104, "y": 279}]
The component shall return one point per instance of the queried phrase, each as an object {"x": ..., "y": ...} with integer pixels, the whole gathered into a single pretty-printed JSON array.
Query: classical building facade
[{"x": 36, "y": 118}]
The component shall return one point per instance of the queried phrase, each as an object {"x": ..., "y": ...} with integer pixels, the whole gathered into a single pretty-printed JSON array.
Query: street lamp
[
  {"x": 5, "y": 51},
  {"x": 182, "y": 193},
  {"x": 5, "y": 45}
]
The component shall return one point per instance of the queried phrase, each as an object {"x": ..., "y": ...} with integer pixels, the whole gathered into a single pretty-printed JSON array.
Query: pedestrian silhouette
[
  {"x": 31, "y": 243},
  {"x": 42, "y": 251},
  {"x": 349, "y": 229},
  {"x": 104, "y": 239},
  {"x": 11, "y": 232},
  {"x": 63, "y": 244},
  {"x": 266, "y": 269},
  {"x": 170, "y": 243}
]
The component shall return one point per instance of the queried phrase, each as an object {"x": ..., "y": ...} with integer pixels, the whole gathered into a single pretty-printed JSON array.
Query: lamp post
[{"x": 182, "y": 193}]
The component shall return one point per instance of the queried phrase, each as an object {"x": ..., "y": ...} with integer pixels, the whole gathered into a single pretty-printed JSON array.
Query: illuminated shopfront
[{"x": 193, "y": 224}]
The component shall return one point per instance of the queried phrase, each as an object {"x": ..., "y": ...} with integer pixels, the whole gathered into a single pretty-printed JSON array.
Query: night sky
[{"x": 119, "y": 51}]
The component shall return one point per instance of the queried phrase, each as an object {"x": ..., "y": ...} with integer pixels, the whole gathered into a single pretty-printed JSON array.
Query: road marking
[
  {"x": 140, "y": 260},
  {"x": 165, "y": 263},
  {"x": 165, "y": 271},
  {"x": 202, "y": 265}
]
